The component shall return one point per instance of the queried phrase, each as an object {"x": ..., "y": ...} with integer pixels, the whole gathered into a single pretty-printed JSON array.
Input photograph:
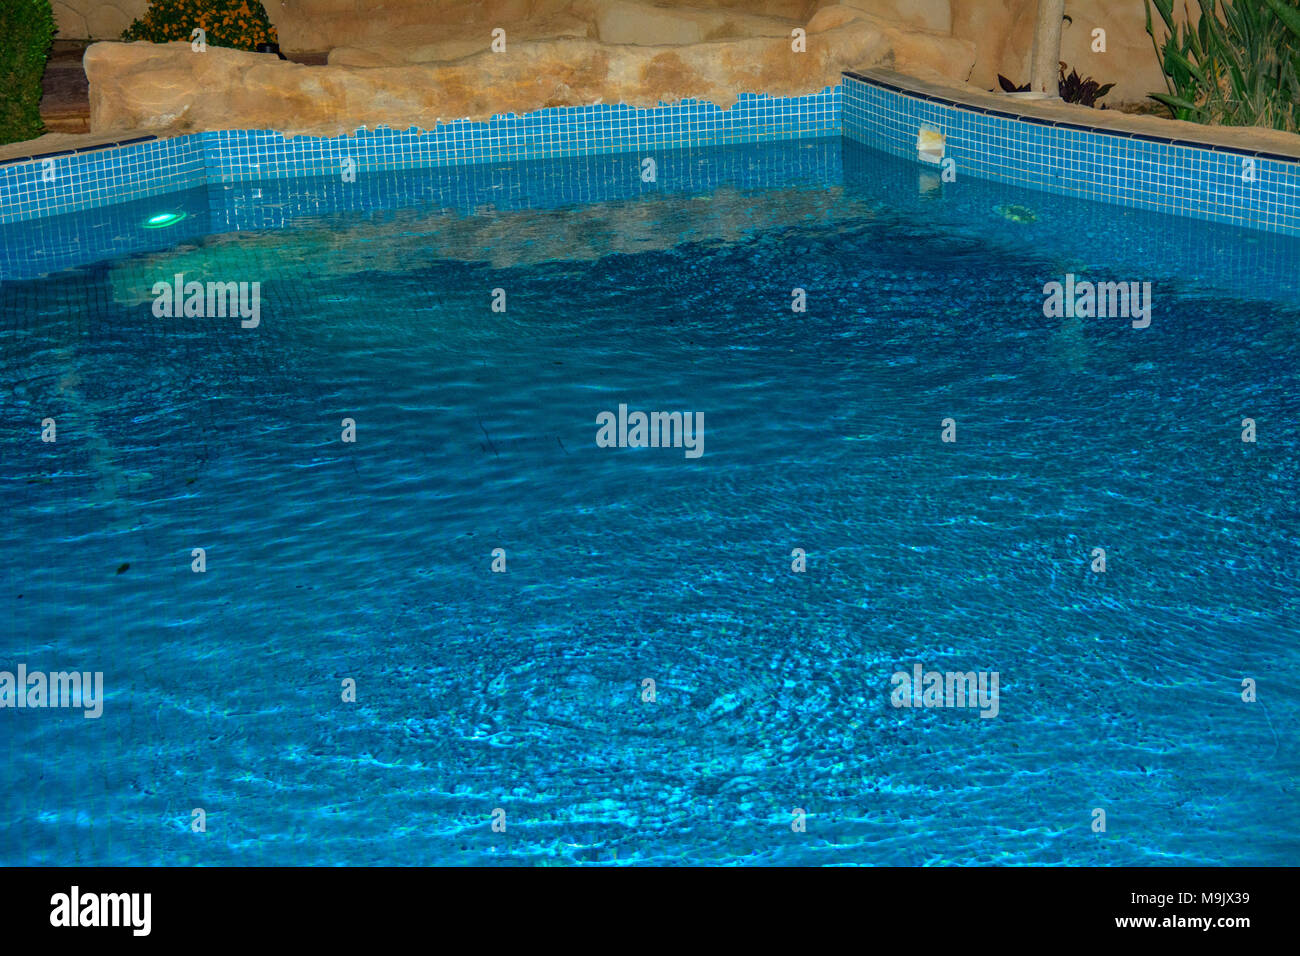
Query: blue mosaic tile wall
[
  {"x": 102, "y": 177},
  {"x": 1173, "y": 177},
  {"x": 49, "y": 244},
  {"x": 555, "y": 133},
  {"x": 67, "y": 182},
  {"x": 534, "y": 184},
  {"x": 1182, "y": 179},
  {"x": 36, "y": 247}
]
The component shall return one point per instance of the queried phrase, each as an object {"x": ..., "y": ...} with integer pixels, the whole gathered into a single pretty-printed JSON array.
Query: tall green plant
[
  {"x": 1237, "y": 65},
  {"x": 26, "y": 31}
]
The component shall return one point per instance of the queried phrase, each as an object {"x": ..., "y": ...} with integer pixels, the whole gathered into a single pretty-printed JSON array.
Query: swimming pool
[{"x": 485, "y": 697}]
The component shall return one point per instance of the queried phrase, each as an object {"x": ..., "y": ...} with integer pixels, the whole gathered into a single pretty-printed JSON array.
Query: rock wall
[
  {"x": 95, "y": 19},
  {"x": 169, "y": 88},
  {"x": 327, "y": 24},
  {"x": 1003, "y": 33},
  {"x": 415, "y": 62},
  {"x": 1002, "y": 30},
  {"x": 389, "y": 32}
]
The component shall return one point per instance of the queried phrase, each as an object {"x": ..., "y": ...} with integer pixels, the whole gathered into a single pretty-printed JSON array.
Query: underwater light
[
  {"x": 163, "y": 219},
  {"x": 1016, "y": 213}
]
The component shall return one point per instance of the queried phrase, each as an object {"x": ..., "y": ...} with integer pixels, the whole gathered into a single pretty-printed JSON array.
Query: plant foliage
[
  {"x": 1237, "y": 64},
  {"x": 1072, "y": 88},
  {"x": 26, "y": 30},
  {"x": 241, "y": 24}
]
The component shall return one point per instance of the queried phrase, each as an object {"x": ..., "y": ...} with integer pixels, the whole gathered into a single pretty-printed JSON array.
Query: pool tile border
[
  {"x": 109, "y": 173},
  {"x": 1124, "y": 167},
  {"x": 1043, "y": 121},
  {"x": 93, "y": 147}
]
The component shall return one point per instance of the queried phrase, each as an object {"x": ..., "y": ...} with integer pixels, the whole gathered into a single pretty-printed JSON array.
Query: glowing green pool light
[
  {"x": 1017, "y": 213},
  {"x": 164, "y": 219}
]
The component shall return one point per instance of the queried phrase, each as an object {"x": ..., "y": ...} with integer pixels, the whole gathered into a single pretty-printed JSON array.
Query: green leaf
[
  {"x": 1166, "y": 10},
  {"x": 1189, "y": 66},
  {"x": 1288, "y": 15},
  {"x": 1175, "y": 102}
]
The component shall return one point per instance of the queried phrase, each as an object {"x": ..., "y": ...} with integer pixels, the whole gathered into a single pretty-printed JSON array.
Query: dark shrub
[
  {"x": 26, "y": 30},
  {"x": 1072, "y": 88},
  {"x": 241, "y": 24}
]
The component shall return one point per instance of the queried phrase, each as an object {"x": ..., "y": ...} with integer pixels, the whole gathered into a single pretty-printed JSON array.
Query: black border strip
[
  {"x": 1040, "y": 121},
  {"x": 36, "y": 157}
]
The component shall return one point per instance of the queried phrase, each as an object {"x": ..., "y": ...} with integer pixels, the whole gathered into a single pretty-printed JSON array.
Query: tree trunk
[{"x": 1045, "y": 62}]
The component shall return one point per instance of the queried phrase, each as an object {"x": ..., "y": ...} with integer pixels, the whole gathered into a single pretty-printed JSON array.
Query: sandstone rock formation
[
  {"x": 167, "y": 87},
  {"x": 414, "y": 62},
  {"x": 1003, "y": 32},
  {"x": 100, "y": 19},
  {"x": 374, "y": 33},
  {"x": 329, "y": 24}
]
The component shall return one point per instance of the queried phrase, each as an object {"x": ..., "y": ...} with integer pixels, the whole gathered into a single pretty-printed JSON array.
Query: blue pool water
[{"x": 476, "y": 430}]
